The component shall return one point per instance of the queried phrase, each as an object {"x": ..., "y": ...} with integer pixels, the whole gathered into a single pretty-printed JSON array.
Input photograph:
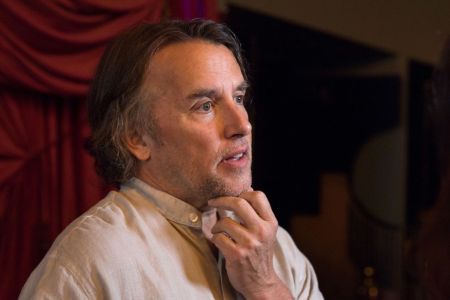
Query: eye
[
  {"x": 206, "y": 107},
  {"x": 239, "y": 99}
]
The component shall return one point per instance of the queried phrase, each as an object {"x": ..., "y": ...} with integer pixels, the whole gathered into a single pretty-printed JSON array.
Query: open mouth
[{"x": 235, "y": 157}]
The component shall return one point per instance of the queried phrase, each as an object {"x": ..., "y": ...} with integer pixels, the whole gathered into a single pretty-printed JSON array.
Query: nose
[{"x": 236, "y": 122}]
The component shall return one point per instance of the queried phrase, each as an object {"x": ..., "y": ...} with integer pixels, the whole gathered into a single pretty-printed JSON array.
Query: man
[{"x": 170, "y": 127}]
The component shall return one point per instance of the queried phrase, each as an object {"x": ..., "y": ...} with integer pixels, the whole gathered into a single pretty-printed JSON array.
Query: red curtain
[
  {"x": 189, "y": 9},
  {"x": 48, "y": 53},
  {"x": 46, "y": 178}
]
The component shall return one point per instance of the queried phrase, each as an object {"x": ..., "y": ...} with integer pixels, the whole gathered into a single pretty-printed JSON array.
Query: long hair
[{"x": 115, "y": 105}]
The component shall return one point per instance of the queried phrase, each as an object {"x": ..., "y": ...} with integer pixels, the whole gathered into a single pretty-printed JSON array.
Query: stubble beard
[{"x": 215, "y": 186}]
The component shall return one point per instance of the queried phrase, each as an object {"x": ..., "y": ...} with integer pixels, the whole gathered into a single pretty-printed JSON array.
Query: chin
[
  {"x": 219, "y": 188},
  {"x": 240, "y": 186}
]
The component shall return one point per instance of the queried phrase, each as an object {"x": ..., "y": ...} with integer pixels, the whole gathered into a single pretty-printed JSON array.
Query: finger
[
  {"x": 225, "y": 244},
  {"x": 240, "y": 207},
  {"x": 236, "y": 231},
  {"x": 260, "y": 204}
]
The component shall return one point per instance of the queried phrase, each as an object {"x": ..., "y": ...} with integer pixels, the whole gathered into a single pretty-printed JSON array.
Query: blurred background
[{"x": 343, "y": 147}]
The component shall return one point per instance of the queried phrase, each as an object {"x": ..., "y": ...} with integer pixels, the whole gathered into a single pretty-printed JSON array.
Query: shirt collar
[{"x": 171, "y": 208}]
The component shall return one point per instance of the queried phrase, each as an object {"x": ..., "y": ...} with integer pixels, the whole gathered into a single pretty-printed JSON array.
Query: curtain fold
[
  {"x": 189, "y": 9},
  {"x": 53, "y": 46},
  {"x": 46, "y": 178},
  {"x": 48, "y": 53}
]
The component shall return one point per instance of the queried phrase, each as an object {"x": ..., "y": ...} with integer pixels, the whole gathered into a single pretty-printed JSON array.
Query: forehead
[
  {"x": 194, "y": 60},
  {"x": 195, "y": 49}
]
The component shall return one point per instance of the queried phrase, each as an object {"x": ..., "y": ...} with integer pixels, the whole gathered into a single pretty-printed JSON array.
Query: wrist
[{"x": 275, "y": 290}]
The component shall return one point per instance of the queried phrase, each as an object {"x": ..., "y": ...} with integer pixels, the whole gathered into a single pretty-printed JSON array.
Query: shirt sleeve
[
  {"x": 295, "y": 269},
  {"x": 54, "y": 283}
]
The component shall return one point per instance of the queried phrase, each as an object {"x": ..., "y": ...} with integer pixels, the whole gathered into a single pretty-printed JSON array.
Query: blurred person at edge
[
  {"x": 169, "y": 127},
  {"x": 433, "y": 246}
]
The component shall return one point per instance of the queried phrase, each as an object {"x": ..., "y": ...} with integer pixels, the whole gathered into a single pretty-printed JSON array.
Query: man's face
[{"x": 202, "y": 144}]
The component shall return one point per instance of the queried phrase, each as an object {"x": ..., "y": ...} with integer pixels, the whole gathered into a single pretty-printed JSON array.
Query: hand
[{"x": 248, "y": 246}]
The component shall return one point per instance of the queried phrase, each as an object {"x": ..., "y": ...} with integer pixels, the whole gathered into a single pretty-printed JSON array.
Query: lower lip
[{"x": 237, "y": 163}]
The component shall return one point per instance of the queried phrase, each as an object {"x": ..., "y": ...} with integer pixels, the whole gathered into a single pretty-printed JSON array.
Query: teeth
[{"x": 236, "y": 157}]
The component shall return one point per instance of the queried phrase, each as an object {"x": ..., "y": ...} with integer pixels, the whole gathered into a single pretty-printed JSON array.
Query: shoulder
[
  {"x": 94, "y": 247},
  {"x": 101, "y": 225},
  {"x": 115, "y": 225},
  {"x": 62, "y": 282}
]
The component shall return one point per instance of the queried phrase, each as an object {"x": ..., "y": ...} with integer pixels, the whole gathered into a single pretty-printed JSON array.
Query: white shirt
[{"x": 141, "y": 243}]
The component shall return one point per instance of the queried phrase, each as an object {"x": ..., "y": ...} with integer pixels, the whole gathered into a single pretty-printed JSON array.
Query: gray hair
[{"x": 116, "y": 109}]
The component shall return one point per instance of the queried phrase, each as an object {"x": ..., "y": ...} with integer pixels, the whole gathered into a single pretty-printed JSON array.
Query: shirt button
[{"x": 193, "y": 217}]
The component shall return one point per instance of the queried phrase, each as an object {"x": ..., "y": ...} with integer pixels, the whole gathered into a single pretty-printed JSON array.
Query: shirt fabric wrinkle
[{"x": 141, "y": 243}]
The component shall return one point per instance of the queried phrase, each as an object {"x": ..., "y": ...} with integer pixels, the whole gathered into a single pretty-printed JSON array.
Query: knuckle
[
  {"x": 253, "y": 244},
  {"x": 275, "y": 224},
  {"x": 241, "y": 203},
  {"x": 238, "y": 255},
  {"x": 266, "y": 232},
  {"x": 259, "y": 232},
  {"x": 259, "y": 195}
]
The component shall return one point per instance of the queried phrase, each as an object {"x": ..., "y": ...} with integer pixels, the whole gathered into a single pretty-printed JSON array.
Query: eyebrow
[
  {"x": 243, "y": 86},
  {"x": 210, "y": 93}
]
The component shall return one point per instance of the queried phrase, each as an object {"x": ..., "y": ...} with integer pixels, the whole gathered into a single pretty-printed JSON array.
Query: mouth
[{"x": 236, "y": 158}]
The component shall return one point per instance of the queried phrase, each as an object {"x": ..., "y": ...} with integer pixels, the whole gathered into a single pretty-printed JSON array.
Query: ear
[{"x": 138, "y": 146}]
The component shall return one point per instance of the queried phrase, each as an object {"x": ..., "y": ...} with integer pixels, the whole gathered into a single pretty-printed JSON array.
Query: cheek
[
  {"x": 203, "y": 152},
  {"x": 191, "y": 142},
  {"x": 202, "y": 145}
]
